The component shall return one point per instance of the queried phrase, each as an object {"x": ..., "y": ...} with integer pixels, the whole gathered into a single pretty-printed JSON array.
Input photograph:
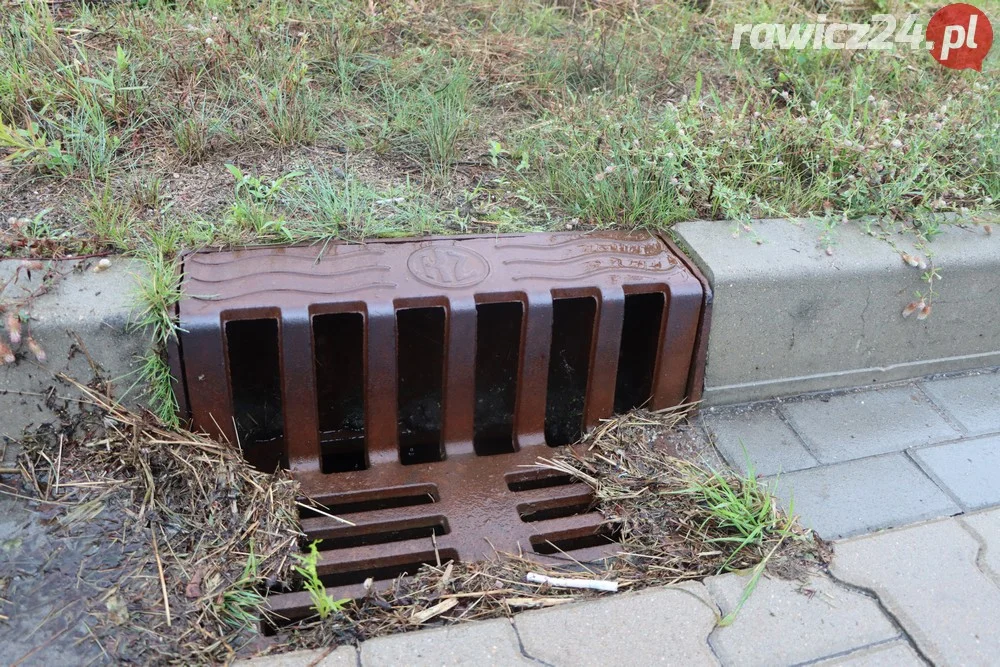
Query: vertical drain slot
[
  {"x": 255, "y": 377},
  {"x": 420, "y": 345},
  {"x": 569, "y": 366},
  {"x": 340, "y": 390},
  {"x": 498, "y": 348},
  {"x": 640, "y": 343}
]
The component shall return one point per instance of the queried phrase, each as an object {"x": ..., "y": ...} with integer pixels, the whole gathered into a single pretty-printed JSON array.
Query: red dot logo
[{"x": 961, "y": 35}]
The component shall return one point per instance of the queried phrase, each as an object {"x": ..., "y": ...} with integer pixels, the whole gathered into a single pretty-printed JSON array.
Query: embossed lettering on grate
[{"x": 408, "y": 384}]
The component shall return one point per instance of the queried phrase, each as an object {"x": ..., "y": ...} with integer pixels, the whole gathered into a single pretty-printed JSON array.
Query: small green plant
[
  {"x": 289, "y": 113},
  {"x": 31, "y": 146},
  {"x": 254, "y": 210},
  {"x": 148, "y": 192},
  {"x": 191, "y": 135},
  {"x": 741, "y": 509},
  {"x": 741, "y": 514},
  {"x": 158, "y": 291},
  {"x": 323, "y": 602},
  {"x": 241, "y": 604},
  {"x": 256, "y": 189}
]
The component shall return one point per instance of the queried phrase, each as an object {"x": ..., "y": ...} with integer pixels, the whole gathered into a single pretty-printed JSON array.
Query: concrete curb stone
[
  {"x": 94, "y": 306},
  {"x": 788, "y": 318}
]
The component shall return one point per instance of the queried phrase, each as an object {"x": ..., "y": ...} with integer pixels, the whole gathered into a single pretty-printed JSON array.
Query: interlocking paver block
[
  {"x": 927, "y": 577},
  {"x": 973, "y": 400},
  {"x": 970, "y": 469},
  {"x": 343, "y": 656},
  {"x": 487, "y": 643},
  {"x": 862, "y": 496},
  {"x": 859, "y": 424},
  {"x": 787, "y": 622},
  {"x": 664, "y": 626},
  {"x": 761, "y": 436},
  {"x": 986, "y": 526},
  {"x": 890, "y": 654}
]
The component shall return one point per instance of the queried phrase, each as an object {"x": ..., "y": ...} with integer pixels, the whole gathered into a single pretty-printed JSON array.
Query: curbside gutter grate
[{"x": 408, "y": 384}]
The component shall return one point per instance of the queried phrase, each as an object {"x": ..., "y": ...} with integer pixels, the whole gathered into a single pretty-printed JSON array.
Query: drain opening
[
  {"x": 340, "y": 389},
  {"x": 385, "y": 569},
  {"x": 420, "y": 373},
  {"x": 541, "y": 512},
  {"x": 555, "y": 545},
  {"x": 498, "y": 347},
  {"x": 528, "y": 480},
  {"x": 639, "y": 347},
  {"x": 255, "y": 378},
  {"x": 385, "y": 498},
  {"x": 569, "y": 366},
  {"x": 377, "y": 532}
]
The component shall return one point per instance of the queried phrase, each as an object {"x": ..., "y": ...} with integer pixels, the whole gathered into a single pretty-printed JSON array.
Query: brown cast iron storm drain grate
[{"x": 407, "y": 383}]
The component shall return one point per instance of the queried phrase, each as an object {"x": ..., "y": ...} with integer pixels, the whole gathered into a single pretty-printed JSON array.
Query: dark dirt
[
  {"x": 55, "y": 582},
  {"x": 94, "y": 504}
]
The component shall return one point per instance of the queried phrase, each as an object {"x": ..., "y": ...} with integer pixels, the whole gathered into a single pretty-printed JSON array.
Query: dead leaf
[
  {"x": 193, "y": 588},
  {"x": 117, "y": 609},
  {"x": 445, "y": 578},
  {"x": 422, "y": 617}
]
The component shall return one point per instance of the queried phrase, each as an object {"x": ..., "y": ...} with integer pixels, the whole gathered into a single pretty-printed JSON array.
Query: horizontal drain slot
[
  {"x": 570, "y": 533},
  {"x": 384, "y": 532},
  {"x": 537, "y": 479},
  {"x": 533, "y": 514},
  {"x": 555, "y": 502},
  {"x": 550, "y": 547},
  {"x": 389, "y": 568},
  {"x": 375, "y": 499}
]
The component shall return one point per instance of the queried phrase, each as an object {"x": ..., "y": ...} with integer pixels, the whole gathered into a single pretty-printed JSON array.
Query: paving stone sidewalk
[
  {"x": 921, "y": 459},
  {"x": 865, "y": 460}
]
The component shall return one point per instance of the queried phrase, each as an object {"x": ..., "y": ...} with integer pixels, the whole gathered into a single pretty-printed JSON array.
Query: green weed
[
  {"x": 324, "y": 604},
  {"x": 742, "y": 511},
  {"x": 31, "y": 146}
]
